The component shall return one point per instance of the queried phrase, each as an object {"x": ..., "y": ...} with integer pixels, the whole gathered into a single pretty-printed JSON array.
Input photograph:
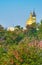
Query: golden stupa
[{"x": 32, "y": 19}]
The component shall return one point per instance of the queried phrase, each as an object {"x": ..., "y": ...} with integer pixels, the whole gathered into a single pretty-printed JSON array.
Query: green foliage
[
  {"x": 40, "y": 30},
  {"x": 16, "y": 47},
  {"x": 21, "y": 54}
]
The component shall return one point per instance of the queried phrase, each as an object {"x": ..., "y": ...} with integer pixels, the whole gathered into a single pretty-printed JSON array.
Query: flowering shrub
[{"x": 21, "y": 54}]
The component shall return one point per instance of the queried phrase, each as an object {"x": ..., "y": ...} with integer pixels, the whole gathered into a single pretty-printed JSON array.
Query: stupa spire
[{"x": 31, "y": 19}]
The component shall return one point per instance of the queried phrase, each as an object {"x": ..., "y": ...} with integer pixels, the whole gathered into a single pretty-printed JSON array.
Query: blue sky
[{"x": 16, "y": 12}]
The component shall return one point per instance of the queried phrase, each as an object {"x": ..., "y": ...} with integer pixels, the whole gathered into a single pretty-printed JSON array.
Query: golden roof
[{"x": 30, "y": 20}]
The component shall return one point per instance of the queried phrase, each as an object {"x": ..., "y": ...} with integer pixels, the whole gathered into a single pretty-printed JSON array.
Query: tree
[
  {"x": 1, "y": 28},
  {"x": 40, "y": 31}
]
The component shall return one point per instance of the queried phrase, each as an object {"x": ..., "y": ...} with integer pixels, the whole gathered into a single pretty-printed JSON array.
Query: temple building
[
  {"x": 10, "y": 29},
  {"x": 32, "y": 19},
  {"x": 29, "y": 22}
]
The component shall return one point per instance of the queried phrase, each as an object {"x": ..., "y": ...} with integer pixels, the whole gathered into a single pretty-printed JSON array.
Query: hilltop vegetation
[
  {"x": 15, "y": 47},
  {"x": 32, "y": 32}
]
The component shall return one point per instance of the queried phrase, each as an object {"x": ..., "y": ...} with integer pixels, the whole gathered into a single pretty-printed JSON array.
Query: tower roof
[
  {"x": 30, "y": 20},
  {"x": 34, "y": 15}
]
